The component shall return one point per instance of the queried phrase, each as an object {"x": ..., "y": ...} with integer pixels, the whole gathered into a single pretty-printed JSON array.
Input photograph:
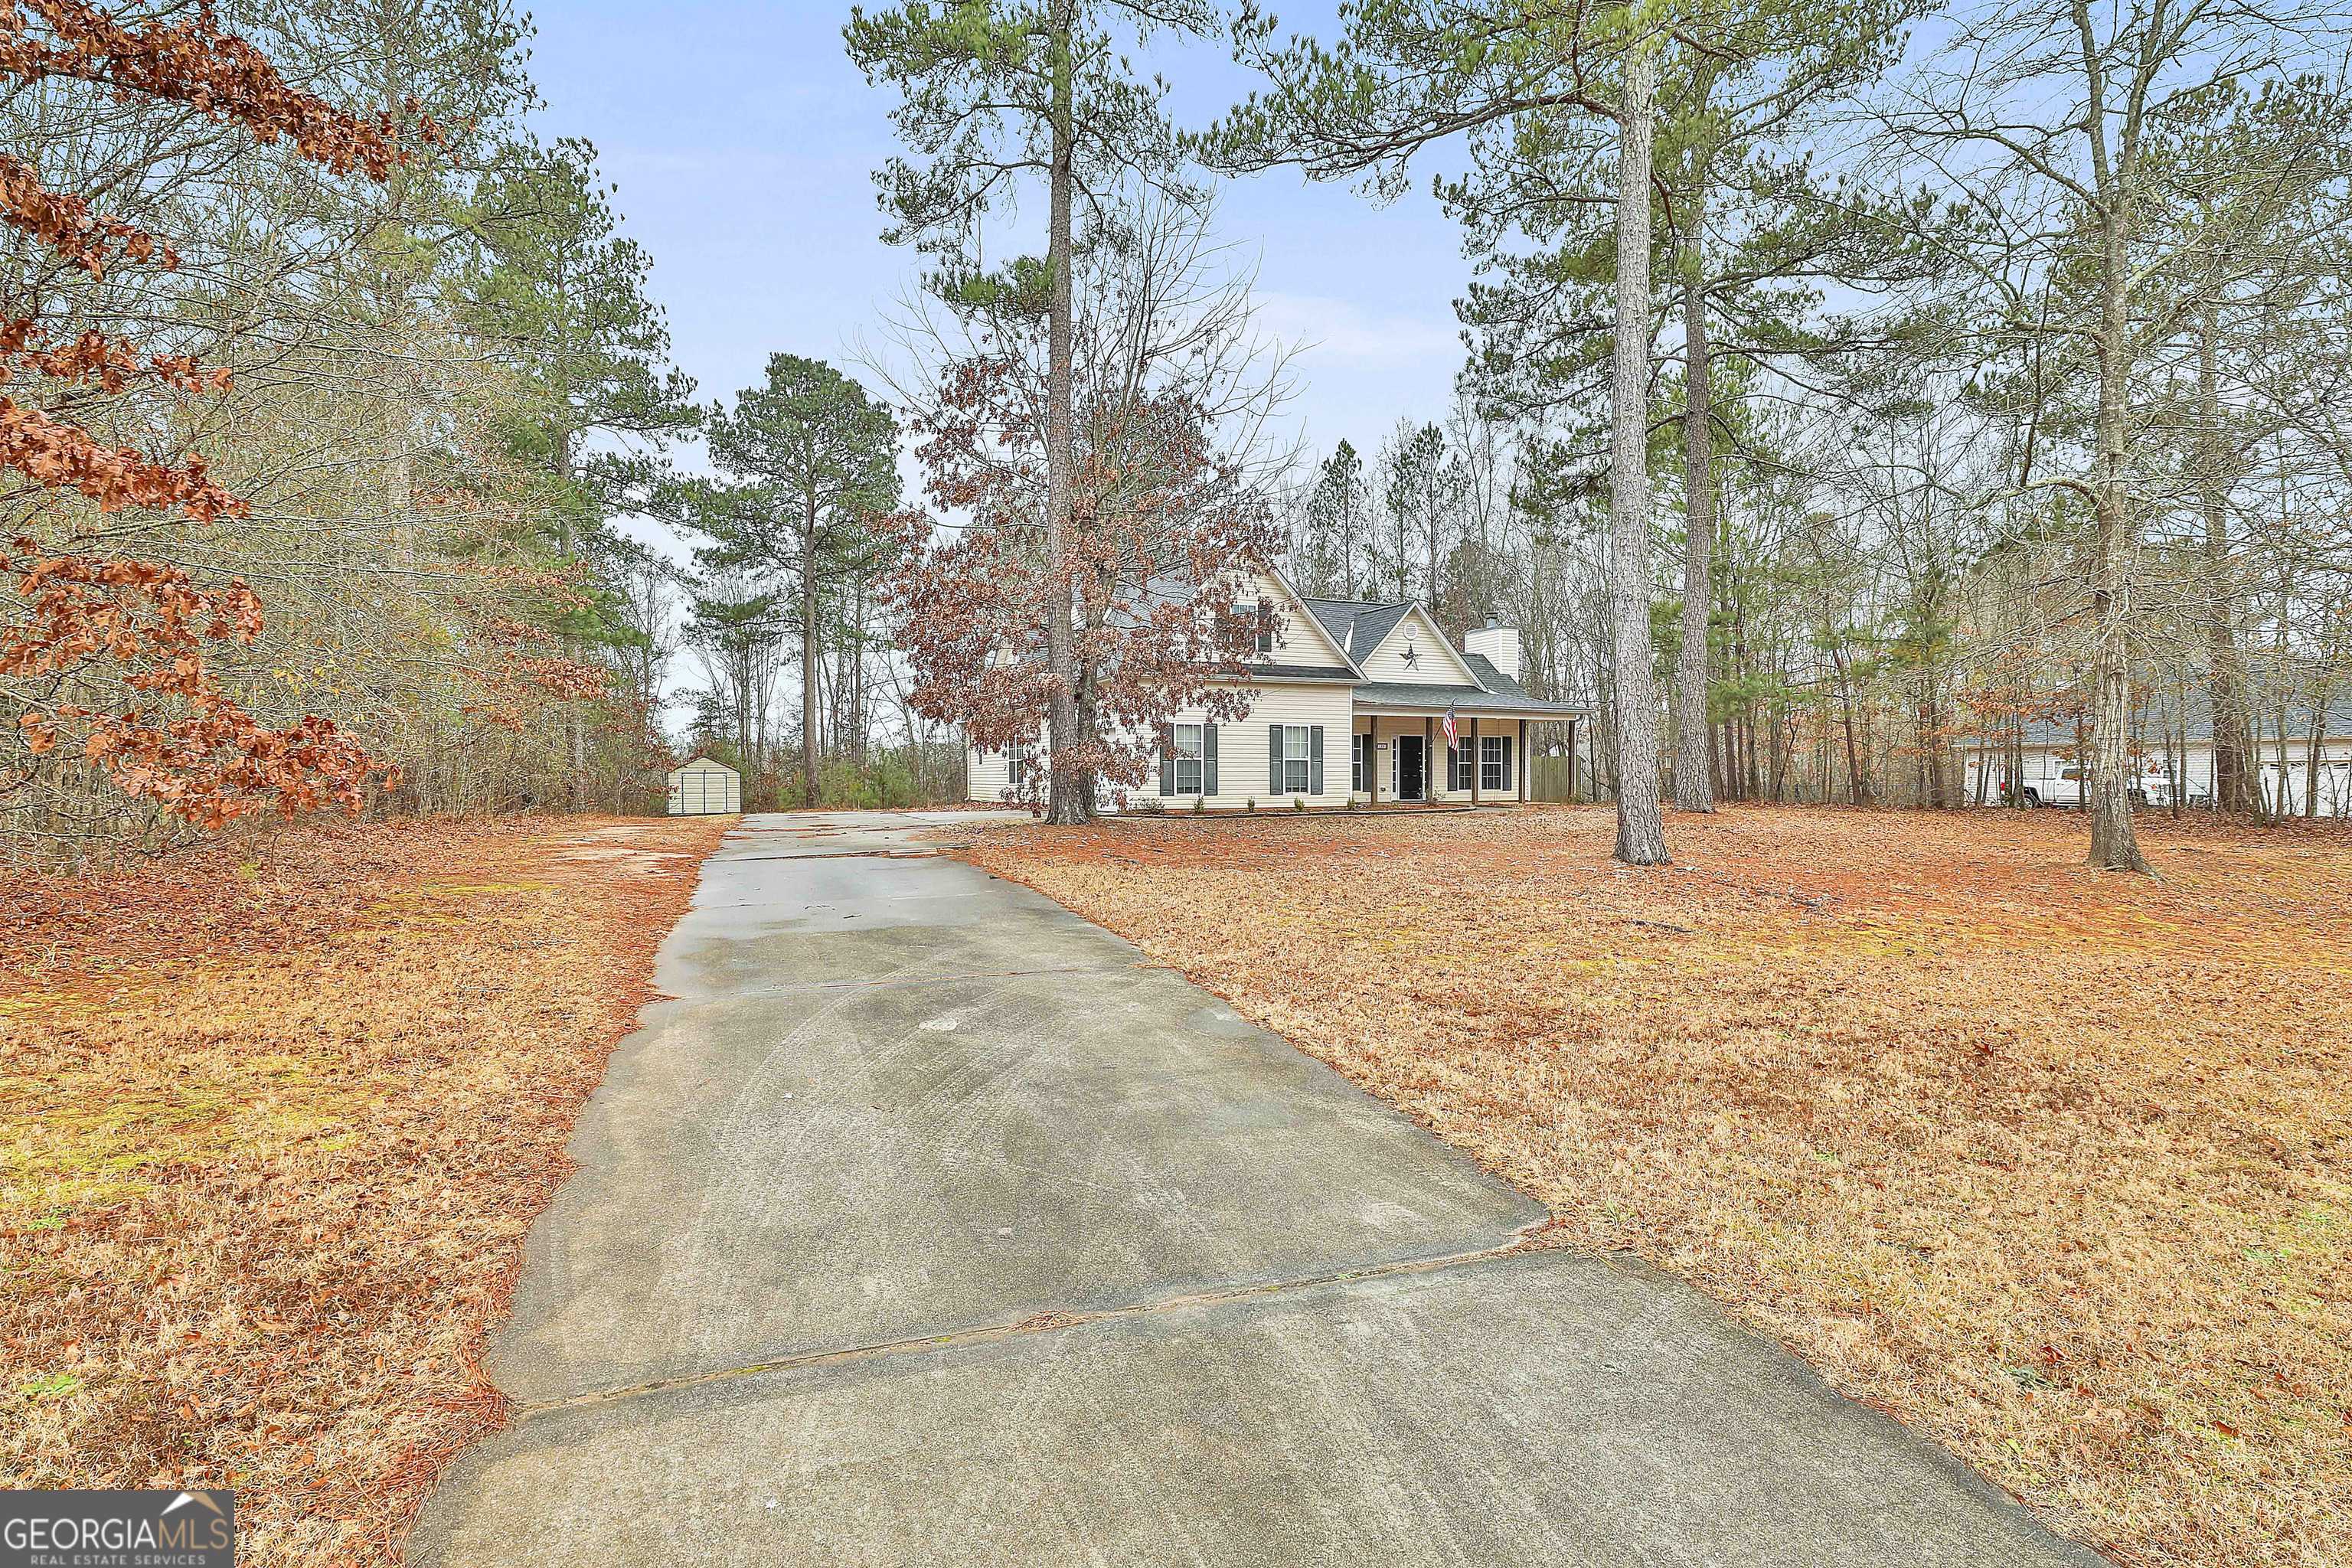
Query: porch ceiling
[{"x": 1467, "y": 701}]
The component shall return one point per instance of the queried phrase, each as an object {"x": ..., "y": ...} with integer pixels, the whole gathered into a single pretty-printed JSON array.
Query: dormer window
[{"x": 1257, "y": 615}]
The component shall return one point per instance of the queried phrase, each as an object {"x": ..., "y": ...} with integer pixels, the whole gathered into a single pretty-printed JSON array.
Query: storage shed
[{"x": 705, "y": 788}]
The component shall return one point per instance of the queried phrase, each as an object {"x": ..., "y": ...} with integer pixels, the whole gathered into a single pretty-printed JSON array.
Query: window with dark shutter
[
  {"x": 1257, "y": 621},
  {"x": 1191, "y": 770},
  {"x": 1292, "y": 750}
]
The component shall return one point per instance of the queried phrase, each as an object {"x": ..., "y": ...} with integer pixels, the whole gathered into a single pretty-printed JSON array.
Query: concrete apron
[{"x": 930, "y": 1224}]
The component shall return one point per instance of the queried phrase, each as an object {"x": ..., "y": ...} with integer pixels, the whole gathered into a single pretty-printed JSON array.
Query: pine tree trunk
[
  {"x": 2320, "y": 692},
  {"x": 575, "y": 727},
  {"x": 811, "y": 647},
  {"x": 1690, "y": 669},
  {"x": 2231, "y": 721},
  {"x": 1641, "y": 825},
  {"x": 1066, "y": 797},
  {"x": 2115, "y": 846}
]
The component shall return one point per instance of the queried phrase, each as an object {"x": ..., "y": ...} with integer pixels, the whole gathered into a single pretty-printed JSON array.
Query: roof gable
[
  {"x": 1299, "y": 613},
  {"x": 1413, "y": 649}
]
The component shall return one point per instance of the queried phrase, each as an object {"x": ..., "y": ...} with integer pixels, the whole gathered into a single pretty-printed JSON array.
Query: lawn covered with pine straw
[
  {"x": 2051, "y": 1164},
  {"x": 274, "y": 1116}
]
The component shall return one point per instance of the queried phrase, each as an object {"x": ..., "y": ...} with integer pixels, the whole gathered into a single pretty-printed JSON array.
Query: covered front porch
[{"x": 1402, "y": 758}]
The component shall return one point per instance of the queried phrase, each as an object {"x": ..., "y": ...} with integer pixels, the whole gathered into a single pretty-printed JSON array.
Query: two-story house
[{"x": 1347, "y": 699}]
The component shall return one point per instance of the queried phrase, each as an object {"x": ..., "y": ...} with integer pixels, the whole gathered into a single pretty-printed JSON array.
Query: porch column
[
  {"x": 1477, "y": 761},
  {"x": 1372, "y": 757},
  {"x": 1428, "y": 745},
  {"x": 1575, "y": 727},
  {"x": 1523, "y": 761}
]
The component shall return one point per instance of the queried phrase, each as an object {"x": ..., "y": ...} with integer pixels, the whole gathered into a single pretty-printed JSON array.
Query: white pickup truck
[{"x": 2053, "y": 781}]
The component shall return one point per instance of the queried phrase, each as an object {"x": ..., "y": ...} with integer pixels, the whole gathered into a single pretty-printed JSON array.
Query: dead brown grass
[
  {"x": 274, "y": 1116},
  {"x": 2051, "y": 1164}
]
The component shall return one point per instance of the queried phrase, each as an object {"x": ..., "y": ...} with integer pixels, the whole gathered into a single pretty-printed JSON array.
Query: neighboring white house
[
  {"x": 705, "y": 788},
  {"x": 1347, "y": 699},
  {"x": 2174, "y": 750}
]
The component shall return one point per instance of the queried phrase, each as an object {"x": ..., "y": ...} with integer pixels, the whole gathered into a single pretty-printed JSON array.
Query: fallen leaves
[
  {"x": 2050, "y": 1164},
  {"x": 274, "y": 1116}
]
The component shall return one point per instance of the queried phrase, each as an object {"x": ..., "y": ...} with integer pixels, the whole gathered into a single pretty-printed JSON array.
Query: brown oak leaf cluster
[
  {"x": 209, "y": 760},
  {"x": 1163, "y": 541},
  {"x": 180, "y": 739}
]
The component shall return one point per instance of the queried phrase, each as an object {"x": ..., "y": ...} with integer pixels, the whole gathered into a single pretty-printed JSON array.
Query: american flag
[{"x": 1450, "y": 732}]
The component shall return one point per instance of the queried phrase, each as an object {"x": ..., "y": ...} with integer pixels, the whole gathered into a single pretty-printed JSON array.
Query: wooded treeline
[
  {"x": 1845, "y": 385},
  {"x": 1997, "y": 352},
  {"x": 791, "y": 537},
  {"x": 358, "y": 360}
]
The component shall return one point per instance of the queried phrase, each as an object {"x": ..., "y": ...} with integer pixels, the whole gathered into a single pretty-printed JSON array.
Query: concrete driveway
[{"x": 931, "y": 1225}]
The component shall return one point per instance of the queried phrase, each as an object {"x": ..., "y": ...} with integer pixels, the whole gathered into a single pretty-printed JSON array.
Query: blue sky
[{"x": 743, "y": 143}]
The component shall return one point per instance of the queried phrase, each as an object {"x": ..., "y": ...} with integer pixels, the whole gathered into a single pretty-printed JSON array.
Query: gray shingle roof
[
  {"x": 1467, "y": 699},
  {"x": 1302, "y": 672},
  {"x": 2155, "y": 720},
  {"x": 1493, "y": 679},
  {"x": 1357, "y": 625}
]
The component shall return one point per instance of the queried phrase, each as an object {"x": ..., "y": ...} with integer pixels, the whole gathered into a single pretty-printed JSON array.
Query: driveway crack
[{"x": 1053, "y": 1320}]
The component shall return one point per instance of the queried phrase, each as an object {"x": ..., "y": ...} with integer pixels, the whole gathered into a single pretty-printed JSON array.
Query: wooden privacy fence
[
  {"x": 1554, "y": 762},
  {"x": 1551, "y": 778}
]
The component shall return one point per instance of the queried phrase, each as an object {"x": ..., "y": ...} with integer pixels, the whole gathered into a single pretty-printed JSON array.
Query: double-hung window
[
  {"x": 1296, "y": 751},
  {"x": 1016, "y": 765},
  {"x": 1190, "y": 769},
  {"x": 1492, "y": 771},
  {"x": 1261, "y": 623},
  {"x": 1363, "y": 743}
]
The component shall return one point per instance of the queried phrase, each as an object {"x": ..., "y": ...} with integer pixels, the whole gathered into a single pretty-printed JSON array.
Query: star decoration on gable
[{"x": 1412, "y": 656}]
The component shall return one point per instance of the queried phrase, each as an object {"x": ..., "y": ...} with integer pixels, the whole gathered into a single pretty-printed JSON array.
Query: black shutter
[
  {"x": 1315, "y": 761},
  {"x": 1507, "y": 784},
  {"x": 1167, "y": 761},
  {"x": 1208, "y": 759},
  {"x": 1273, "y": 759}
]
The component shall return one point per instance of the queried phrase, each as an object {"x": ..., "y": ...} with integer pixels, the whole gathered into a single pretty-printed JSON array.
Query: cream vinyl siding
[
  {"x": 987, "y": 775},
  {"x": 1300, "y": 638},
  {"x": 1243, "y": 764},
  {"x": 1241, "y": 761},
  {"x": 1486, "y": 728},
  {"x": 1440, "y": 665},
  {"x": 1244, "y": 767},
  {"x": 1388, "y": 727}
]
